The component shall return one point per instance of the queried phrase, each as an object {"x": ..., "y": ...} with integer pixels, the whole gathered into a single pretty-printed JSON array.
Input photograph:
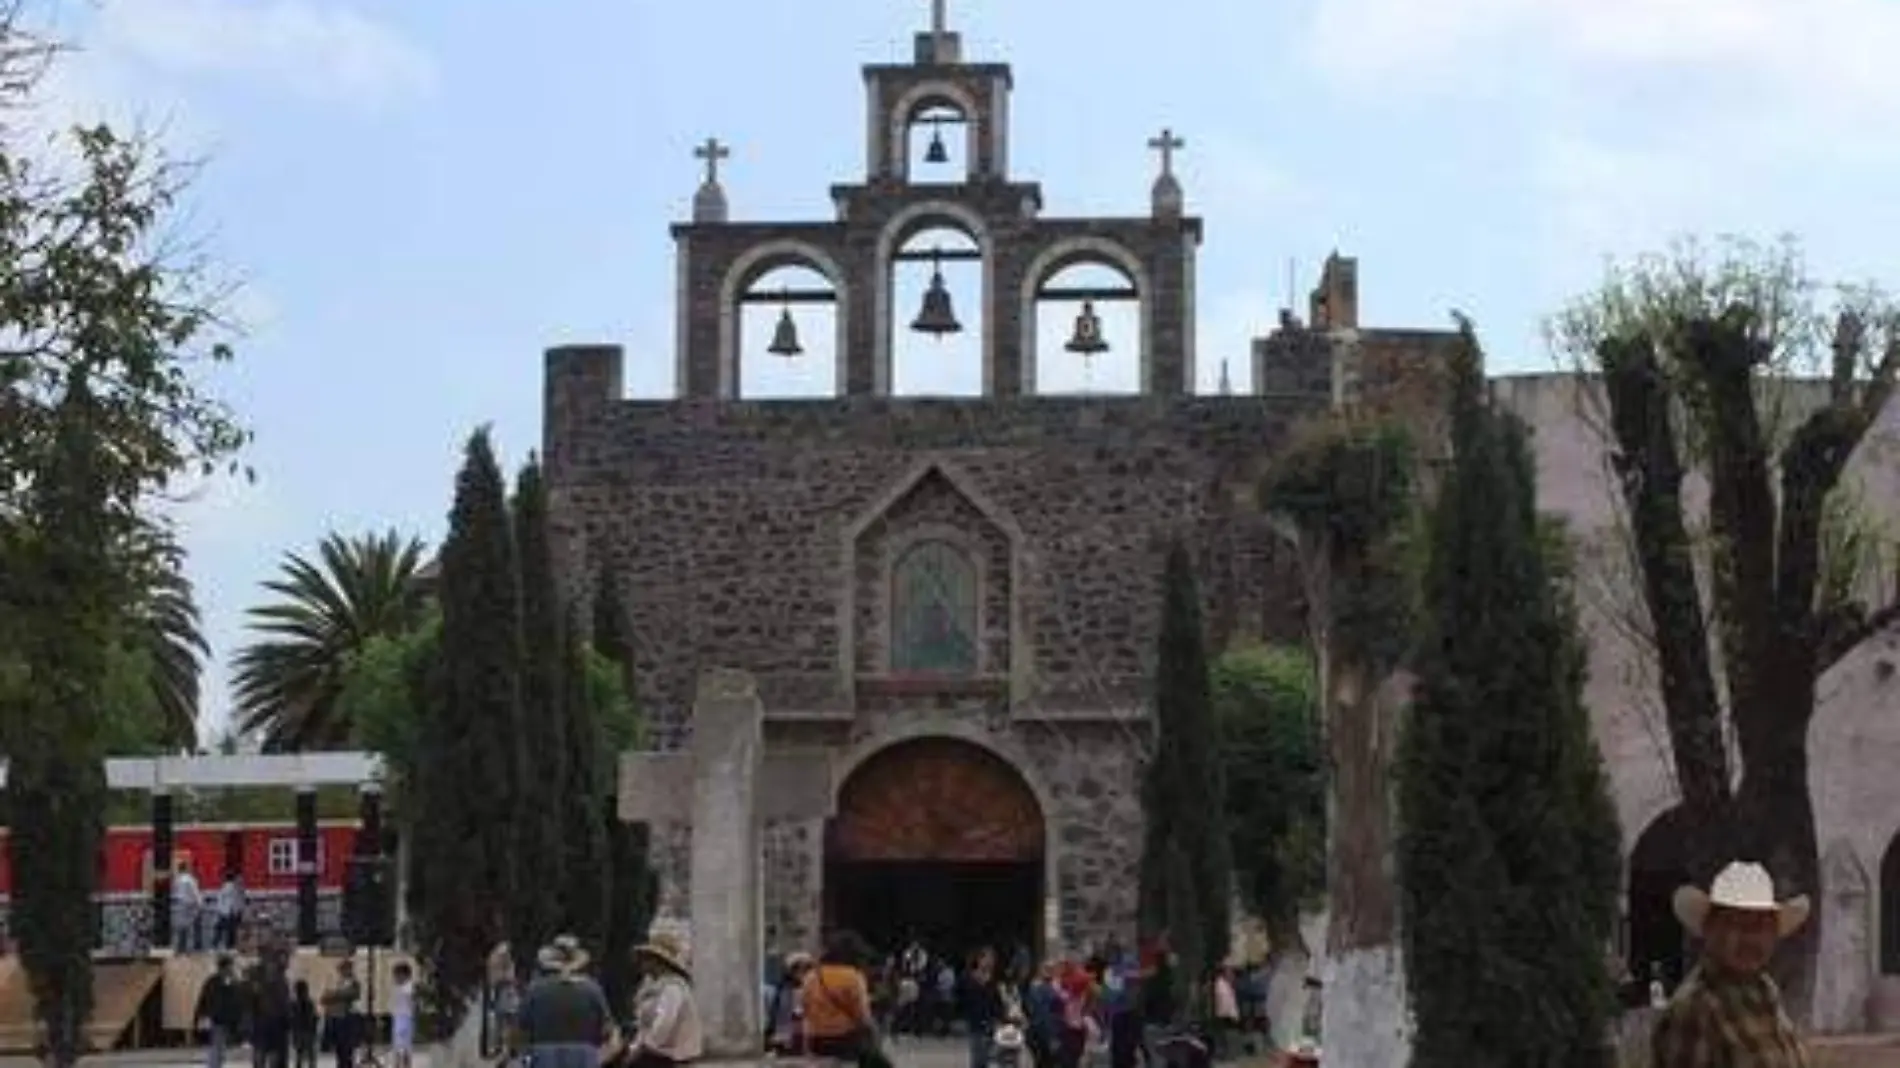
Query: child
[
  {"x": 303, "y": 1025},
  {"x": 402, "y": 1015}
]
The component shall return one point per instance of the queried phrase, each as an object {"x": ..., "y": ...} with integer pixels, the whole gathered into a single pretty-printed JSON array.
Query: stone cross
[
  {"x": 712, "y": 152},
  {"x": 1166, "y": 145},
  {"x": 728, "y": 787}
]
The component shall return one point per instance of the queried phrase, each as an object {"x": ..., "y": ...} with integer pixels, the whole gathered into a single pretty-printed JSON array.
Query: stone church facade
[{"x": 982, "y": 572}]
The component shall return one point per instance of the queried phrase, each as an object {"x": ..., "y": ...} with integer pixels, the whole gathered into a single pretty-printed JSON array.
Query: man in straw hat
[
  {"x": 564, "y": 1019},
  {"x": 666, "y": 1018},
  {"x": 1728, "y": 1011}
]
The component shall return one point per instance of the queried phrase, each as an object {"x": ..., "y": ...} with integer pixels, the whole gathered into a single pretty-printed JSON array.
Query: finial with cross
[
  {"x": 1166, "y": 144},
  {"x": 712, "y": 152}
]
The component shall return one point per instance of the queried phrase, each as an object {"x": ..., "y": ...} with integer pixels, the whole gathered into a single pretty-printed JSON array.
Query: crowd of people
[
  {"x": 1121, "y": 1006},
  {"x": 284, "y": 1024}
]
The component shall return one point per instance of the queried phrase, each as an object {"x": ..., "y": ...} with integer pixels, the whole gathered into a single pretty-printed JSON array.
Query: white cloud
[
  {"x": 318, "y": 50},
  {"x": 1238, "y": 179},
  {"x": 1638, "y": 120},
  {"x": 1828, "y": 60}
]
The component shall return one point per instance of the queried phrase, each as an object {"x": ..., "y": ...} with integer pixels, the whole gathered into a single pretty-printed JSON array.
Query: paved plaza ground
[{"x": 1882, "y": 1051}]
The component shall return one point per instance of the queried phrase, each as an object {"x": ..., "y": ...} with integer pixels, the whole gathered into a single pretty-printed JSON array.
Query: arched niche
[
  {"x": 1061, "y": 257},
  {"x": 921, "y": 100},
  {"x": 738, "y": 289},
  {"x": 1658, "y": 865},
  {"x": 895, "y": 311}
]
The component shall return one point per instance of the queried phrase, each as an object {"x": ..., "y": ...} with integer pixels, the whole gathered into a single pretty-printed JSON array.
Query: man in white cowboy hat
[
  {"x": 1728, "y": 1012},
  {"x": 564, "y": 1019},
  {"x": 667, "y": 1030}
]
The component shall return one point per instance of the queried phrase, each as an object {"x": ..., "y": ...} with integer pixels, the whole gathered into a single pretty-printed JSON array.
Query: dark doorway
[
  {"x": 941, "y": 840},
  {"x": 1658, "y": 866},
  {"x": 949, "y": 906}
]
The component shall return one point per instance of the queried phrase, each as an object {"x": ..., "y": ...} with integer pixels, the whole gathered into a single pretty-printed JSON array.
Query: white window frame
[{"x": 281, "y": 856}]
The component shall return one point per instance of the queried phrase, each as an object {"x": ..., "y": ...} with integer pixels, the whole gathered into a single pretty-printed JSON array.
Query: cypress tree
[
  {"x": 468, "y": 791},
  {"x": 632, "y": 885},
  {"x": 543, "y": 881},
  {"x": 1503, "y": 847},
  {"x": 581, "y": 806},
  {"x": 61, "y": 587},
  {"x": 1183, "y": 795}
]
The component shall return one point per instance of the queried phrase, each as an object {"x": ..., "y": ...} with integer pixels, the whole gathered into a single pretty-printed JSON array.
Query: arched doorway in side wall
[
  {"x": 1658, "y": 866},
  {"x": 939, "y": 840}
]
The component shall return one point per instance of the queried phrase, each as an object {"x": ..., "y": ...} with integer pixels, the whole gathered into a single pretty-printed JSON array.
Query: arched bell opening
[
  {"x": 939, "y": 113},
  {"x": 1085, "y": 319},
  {"x": 937, "y": 329},
  {"x": 782, "y": 316},
  {"x": 1088, "y": 328},
  {"x": 1655, "y": 944},
  {"x": 788, "y": 335},
  {"x": 937, "y": 145}
]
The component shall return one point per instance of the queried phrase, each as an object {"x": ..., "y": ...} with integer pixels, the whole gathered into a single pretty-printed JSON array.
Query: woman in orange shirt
[{"x": 837, "y": 1004}]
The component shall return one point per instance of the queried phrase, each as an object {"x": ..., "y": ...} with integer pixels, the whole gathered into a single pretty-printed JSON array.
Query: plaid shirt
[{"x": 1726, "y": 1022}]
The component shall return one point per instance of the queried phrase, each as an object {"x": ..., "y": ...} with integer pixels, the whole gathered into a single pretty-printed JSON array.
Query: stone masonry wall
[
  {"x": 726, "y": 523},
  {"x": 756, "y": 536}
]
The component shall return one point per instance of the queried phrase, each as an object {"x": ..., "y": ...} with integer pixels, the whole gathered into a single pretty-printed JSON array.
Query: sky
[{"x": 419, "y": 198}]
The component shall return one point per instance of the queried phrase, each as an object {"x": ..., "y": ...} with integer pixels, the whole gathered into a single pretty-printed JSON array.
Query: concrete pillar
[
  {"x": 306, "y": 866},
  {"x": 161, "y": 869}
]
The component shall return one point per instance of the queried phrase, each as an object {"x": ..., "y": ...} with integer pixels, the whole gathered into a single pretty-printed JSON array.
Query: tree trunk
[
  {"x": 1774, "y": 815},
  {"x": 1359, "y": 876}
]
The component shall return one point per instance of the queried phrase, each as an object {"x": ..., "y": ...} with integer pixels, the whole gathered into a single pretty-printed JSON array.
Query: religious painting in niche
[{"x": 934, "y": 611}]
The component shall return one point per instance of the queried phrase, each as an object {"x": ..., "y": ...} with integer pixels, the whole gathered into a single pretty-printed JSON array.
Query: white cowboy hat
[
  {"x": 1744, "y": 887},
  {"x": 667, "y": 950}
]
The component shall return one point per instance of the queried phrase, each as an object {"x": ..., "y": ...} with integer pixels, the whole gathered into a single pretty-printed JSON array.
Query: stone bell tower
[{"x": 721, "y": 260}]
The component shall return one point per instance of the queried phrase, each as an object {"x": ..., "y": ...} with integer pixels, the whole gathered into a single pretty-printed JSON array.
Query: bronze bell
[
  {"x": 785, "y": 337},
  {"x": 936, "y": 153},
  {"x": 936, "y": 316},
  {"x": 1087, "y": 339}
]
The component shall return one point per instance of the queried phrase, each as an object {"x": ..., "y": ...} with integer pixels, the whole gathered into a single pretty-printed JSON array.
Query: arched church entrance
[
  {"x": 1658, "y": 866},
  {"x": 939, "y": 840}
]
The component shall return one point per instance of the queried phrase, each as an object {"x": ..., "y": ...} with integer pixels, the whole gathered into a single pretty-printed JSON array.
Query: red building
[{"x": 264, "y": 854}]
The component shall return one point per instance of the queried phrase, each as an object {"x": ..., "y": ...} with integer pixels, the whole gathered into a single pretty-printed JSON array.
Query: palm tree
[
  {"x": 285, "y": 684},
  {"x": 166, "y": 630}
]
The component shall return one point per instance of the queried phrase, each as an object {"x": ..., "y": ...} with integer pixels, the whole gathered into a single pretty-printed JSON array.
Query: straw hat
[
  {"x": 1744, "y": 887},
  {"x": 667, "y": 950}
]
